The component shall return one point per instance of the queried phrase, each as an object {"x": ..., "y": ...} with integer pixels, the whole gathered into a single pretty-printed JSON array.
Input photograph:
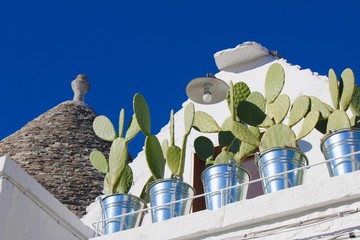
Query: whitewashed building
[{"x": 323, "y": 207}]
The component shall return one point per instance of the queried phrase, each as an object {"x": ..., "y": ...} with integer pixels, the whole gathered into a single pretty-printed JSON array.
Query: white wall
[
  {"x": 323, "y": 208},
  {"x": 28, "y": 211},
  {"x": 320, "y": 195}
]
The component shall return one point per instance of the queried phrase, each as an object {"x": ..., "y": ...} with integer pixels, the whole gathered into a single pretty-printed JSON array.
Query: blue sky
[{"x": 154, "y": 48}]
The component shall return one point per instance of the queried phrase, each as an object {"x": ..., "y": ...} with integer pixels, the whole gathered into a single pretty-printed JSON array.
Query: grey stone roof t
[{"x": 54, "y": 148}]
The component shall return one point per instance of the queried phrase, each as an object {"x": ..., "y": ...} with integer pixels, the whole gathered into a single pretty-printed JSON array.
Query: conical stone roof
[{"x": 54, "y": 148}]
